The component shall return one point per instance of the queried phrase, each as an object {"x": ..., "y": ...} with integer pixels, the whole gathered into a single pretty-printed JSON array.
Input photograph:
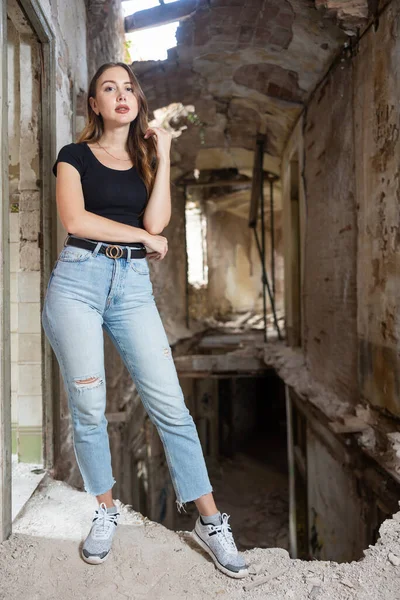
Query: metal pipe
[
  {"x": 261, "y": 154},
  {"x": 266, "y": 283},
  {"x": 271, "y": 197}
]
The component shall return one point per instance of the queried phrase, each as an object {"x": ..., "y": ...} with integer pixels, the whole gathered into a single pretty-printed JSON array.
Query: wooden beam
[
  {"x": 230, "y": 340},
  {"x": 233, "y": 364},
  {"x": 160, "y": 15},
  {"x": 243, "y": 181}
]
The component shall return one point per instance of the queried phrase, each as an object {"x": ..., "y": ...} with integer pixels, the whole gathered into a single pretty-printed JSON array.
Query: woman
[{"x": 113, "y": 198}]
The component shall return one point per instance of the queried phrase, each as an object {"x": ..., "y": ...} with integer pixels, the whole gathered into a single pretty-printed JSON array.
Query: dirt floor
[{"x": 41, "y": 561}]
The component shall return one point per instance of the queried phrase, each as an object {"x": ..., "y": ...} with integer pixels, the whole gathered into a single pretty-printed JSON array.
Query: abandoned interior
[{"x": 280, "y": 295}]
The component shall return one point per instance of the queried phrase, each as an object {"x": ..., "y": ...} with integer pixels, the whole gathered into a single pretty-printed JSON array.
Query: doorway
[{"x": 28, "y": 218}]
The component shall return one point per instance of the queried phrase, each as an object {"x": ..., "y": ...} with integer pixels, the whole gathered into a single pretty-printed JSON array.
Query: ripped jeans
[{"x": 86, "y": 293}]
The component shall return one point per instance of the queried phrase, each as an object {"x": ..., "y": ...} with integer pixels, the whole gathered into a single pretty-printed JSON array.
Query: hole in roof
[{"x": 151, "y": 43}]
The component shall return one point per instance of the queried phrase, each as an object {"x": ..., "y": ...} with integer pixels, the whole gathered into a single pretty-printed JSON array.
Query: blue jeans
[{"x": 88, "y": 292}]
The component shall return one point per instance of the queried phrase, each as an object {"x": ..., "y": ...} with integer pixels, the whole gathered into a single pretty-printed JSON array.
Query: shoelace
[
  {"x": 103, "y": 521},
  {"x": 226, "y": 531}
]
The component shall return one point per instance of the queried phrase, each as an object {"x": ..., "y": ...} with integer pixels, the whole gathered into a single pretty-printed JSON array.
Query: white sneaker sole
[
  {"x": 94, "y": 560},
  {"x": 199, "y": 541}
]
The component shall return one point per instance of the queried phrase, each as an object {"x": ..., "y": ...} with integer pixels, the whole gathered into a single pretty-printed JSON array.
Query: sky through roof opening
[{"x": 152, "y": 43}]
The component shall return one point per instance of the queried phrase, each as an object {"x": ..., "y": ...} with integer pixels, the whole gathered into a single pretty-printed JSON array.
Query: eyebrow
[{"x": 111, "y": 81}]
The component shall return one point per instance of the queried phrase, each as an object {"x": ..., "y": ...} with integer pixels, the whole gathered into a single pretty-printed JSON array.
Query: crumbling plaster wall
[
  {"x": 351, "y": 176},
  {"x": 338, "y": 523},
  {"x": 350, "y": 290},
  {"x": 377, "y": 122},
  {"x": 234, "y": 264},
  {"x": 293, "y": 229},
  {"x": 329, "y": 286},
  {"x": 69, "y": 24}
]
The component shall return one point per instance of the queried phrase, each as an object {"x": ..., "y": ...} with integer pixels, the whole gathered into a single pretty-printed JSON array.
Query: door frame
[{"x": 47, "y": 240}]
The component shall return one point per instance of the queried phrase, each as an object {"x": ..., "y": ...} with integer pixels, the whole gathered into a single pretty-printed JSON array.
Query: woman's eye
[{"x": 110, "y": 87}]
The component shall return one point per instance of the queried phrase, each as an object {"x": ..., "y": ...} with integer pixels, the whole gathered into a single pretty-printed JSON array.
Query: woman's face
[{"x": 114, "y": 89}]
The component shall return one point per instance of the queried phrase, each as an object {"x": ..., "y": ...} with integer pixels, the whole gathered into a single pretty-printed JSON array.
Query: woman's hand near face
[{"x": 163, "y": 141}]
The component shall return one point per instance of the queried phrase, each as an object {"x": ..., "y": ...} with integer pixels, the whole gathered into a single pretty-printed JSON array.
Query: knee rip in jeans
[{"x": 90, "y": 382}]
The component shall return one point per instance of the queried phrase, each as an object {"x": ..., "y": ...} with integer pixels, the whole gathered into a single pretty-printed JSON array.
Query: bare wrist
[{"x": 145, "y": 237}]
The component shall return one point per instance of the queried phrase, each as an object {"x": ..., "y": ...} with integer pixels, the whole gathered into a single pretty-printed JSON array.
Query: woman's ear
[{"x": 93, "y": 103}]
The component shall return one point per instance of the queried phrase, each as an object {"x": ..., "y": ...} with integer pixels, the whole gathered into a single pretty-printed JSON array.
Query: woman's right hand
[{"x": 158, "y": 244}]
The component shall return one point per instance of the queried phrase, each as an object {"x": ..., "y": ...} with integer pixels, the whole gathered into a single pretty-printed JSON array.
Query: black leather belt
[{"x": 110, "y": 250}]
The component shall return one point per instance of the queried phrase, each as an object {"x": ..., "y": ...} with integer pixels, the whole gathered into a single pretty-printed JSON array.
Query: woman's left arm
[{"x": 158, "y": 210}]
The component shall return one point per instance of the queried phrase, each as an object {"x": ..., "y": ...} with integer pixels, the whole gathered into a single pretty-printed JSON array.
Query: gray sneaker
[
  {"x": 218, "y": 541},
  {"x": 97, "y": 545}
]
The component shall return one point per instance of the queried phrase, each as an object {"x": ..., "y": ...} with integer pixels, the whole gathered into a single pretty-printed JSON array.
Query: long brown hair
[{"x": 143, "y": 152}]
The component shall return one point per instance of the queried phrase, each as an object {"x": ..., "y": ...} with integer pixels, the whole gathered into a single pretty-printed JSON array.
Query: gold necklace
[{"x": 125, "y": 159}]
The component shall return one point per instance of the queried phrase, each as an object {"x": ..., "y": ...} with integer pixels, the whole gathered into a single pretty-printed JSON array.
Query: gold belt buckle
[{"x": 110, "y": 250}]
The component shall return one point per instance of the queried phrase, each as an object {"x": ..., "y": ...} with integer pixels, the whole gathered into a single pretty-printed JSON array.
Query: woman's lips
[{"x": 122, "y": 110}]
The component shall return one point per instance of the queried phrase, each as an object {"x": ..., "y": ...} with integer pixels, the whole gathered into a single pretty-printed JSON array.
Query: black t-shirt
[{"x": 111, "y": 193}]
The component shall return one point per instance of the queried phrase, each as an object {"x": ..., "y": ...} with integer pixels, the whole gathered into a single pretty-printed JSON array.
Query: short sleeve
[{"x": 72, "y": 154}]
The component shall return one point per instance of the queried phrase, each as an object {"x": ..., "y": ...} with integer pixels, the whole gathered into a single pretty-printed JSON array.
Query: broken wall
[
  {"x": 330, "y": 297},
  {"x": 351, "y": 175},
  {"x": 350, "y": 290},
  {"x": 376, "y": 89}
]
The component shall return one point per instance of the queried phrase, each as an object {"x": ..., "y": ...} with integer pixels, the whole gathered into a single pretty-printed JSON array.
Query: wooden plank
[
  {"x": 222, "y": 363},
  {"x": 230, "y": 341},
  {"x": 202, "y": 374},
  {"x": 160, "y": 15}
]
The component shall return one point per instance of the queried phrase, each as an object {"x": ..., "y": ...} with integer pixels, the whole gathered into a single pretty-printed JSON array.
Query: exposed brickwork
[
  {"x": 235, "y": 24},
  {"x": 270, "y": 80},
  {"x": 240, "y": 25},
  {"x": 243, "y": 125}
]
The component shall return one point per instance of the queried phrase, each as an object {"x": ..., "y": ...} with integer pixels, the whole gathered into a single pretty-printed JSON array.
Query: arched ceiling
[{"x": 247, "y": 66}]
